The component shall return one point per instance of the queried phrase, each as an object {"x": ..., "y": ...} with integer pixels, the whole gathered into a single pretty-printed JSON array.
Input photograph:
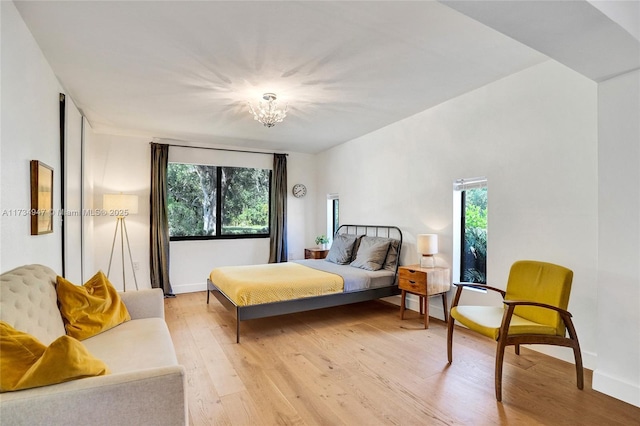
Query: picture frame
[{"x": 41, "y": 198}]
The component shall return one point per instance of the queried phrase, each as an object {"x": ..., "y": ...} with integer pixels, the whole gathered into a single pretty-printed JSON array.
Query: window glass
[
  {"x": 470, "y": 230},
  {"x": 473, "y": 260},
  {"x": 336, "y": 215},
  {"x": 333, "y": 214},
  {"x": 245, "y": 201},
  {"x": 211, "y": 202}
]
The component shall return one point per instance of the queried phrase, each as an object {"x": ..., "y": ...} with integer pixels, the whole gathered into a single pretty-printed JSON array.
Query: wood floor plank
[
  {"x": 360, "y": 364},
  {"x": 242, "y": 410},
  {"x": 204, "y": 402}
]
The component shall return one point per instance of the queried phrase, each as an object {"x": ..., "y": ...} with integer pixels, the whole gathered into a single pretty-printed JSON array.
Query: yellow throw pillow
[
  {"x": 92, "y": 308},
  {"x": 26, "y": 363}
]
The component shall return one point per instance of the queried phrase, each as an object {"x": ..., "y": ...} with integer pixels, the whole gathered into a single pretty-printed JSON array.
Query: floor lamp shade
[
  {"x": 427, "y": 245},
  {"x": 120, "y": 203}
]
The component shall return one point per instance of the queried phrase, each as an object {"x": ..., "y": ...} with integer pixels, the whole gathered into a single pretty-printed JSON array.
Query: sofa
[{"x": 146, "y": 385}]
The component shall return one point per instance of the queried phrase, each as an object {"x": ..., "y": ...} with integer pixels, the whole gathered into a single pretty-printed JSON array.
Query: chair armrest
[
  {"x": 147, "y": 303},
  {"x": 512, "y": 304},
  {"x": 460, "y": 286},
  {"x": 119, "y": 399},
  {"x": 481, "y": 287},
  {"x": 515, "y": 303}
]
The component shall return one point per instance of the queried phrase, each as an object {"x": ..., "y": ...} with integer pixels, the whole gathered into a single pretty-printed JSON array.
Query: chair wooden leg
[
  {"x": 579, "y": 369},
  {"x": 426, "y": 312},
  {"x": 450, "y": 325},
  {"x": 444, "y": 306},
  {"x": 576, "y": 350},
  {"x": 499, "y": 361},
  {"x": 403, "y": 298},
  {"x": 517, "y": 347}
]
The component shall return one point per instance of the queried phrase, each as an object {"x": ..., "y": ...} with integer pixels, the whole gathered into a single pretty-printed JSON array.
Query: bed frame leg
[
  {"x": 208, "y": 293},
  {"x": 237, "y": 325}
]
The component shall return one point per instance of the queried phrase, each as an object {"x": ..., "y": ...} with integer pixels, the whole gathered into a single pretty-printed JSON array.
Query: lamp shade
[
  {"x": 120, "y": 203},
  {"x": 427, "y": 244}
]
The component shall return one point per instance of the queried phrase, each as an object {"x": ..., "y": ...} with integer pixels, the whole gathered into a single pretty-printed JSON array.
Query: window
[
  {"x": 470, "y": 230},
  {"x": 333, "y": 214},
  {"x": 207, "y": 202}
]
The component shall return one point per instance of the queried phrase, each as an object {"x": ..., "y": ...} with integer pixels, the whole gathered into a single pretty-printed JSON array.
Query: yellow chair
[{"x": 535, "y": 312}]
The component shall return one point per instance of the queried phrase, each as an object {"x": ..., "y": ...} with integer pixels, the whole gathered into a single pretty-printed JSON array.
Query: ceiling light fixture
[{"x": 267, "y": 112}]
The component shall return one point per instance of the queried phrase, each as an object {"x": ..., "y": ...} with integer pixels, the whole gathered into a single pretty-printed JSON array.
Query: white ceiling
[
  {"x": 184, "y": 70},
  {"x": 599, "y": 39}
]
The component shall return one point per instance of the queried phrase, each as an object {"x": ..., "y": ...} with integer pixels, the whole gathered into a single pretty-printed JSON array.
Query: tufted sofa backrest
[{"x": 28, "y": 302}]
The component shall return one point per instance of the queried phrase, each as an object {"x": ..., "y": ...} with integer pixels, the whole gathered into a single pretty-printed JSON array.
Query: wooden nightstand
[
  {"x": 424, "y": 282},
  {"x": 315, "y": 253}
]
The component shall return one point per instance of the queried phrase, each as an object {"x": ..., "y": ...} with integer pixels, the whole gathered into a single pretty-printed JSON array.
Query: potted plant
[{"x": 322, "y": 241}]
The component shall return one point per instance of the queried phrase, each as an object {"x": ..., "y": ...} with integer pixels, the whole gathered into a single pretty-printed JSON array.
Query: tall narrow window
[
  {"x": 470, "y": 230},
  {"x": 333, "y": 214},
  {"x": 336, "y": 215}
]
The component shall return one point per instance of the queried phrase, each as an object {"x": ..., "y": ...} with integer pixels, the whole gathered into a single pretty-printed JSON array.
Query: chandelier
[{"x": 267, "y": 112}]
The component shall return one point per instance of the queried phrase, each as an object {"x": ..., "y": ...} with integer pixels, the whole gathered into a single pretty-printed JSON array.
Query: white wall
[
  {"x": 30, "y": 131},
  {"x": 121, "y": 164},
  {"x": 302, "y": 227},
  {"x": 618, "y": 327},
  {"x": 533, "y": 135},
  {"x": 88, "y": 267}
]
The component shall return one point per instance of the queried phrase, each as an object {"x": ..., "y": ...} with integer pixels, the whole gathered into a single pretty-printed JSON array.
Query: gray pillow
[
  {"x": 391, "y": 262},
  {"x": 371, "y": 254},
  {"x": 392, "y": 255},
  {"x": 341, "y": 249}
]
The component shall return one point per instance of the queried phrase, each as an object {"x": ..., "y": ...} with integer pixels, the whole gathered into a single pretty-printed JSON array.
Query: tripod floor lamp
[{"x": 121, "y": 206}]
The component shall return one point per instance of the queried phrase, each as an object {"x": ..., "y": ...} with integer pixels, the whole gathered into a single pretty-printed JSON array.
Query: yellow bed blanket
[{"x": 274, "y": 282}]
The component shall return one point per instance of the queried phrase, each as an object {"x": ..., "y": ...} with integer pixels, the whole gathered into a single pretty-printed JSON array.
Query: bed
[{"x": 259, "y": 291}]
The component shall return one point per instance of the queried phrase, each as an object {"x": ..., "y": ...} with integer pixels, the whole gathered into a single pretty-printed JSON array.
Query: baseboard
[
  {"x": 589, "y": 359},
  {"x": 189, "y": 288},
  {"x": 616, "y": 388}
]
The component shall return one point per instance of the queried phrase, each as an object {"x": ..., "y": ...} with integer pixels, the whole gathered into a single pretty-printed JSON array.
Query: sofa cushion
[
  {"x": 91, "y": 308},
  {"x": 134, "y": 345},
  {"x": 26, "y": 363},
  {"x": 28, "y": 302}
]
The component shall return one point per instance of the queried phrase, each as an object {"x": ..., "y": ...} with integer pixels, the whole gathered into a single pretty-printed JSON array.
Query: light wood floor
[{"x": 361, "y": 365}]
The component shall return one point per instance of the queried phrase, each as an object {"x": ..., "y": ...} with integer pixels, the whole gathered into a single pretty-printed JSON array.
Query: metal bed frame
[{"x": 264, "y": 310}]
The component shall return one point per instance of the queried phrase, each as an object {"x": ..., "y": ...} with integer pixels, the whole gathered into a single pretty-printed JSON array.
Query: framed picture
[{"x": 41, "y": 198}]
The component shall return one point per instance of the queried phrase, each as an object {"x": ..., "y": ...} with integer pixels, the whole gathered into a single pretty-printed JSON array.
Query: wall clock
[{"x": 299, "y": 190}]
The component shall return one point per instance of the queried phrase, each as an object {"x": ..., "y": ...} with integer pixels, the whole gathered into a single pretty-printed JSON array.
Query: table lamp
[{"x": 427, "y": 245}]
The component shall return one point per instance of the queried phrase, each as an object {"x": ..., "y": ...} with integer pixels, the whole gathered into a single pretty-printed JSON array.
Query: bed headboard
[{"x": 392, "y": 232}]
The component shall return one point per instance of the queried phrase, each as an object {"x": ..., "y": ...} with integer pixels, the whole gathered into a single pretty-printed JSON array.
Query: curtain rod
[{"x": 221, "y": 149}]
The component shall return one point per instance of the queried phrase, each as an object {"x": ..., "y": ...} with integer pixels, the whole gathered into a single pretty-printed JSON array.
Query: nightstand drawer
[
  {"x": 423, "y": 282},
  {"x": 413, "y": 275},
  {"x": 412, "y": 285},
  {"x": 315, "y": 253}
]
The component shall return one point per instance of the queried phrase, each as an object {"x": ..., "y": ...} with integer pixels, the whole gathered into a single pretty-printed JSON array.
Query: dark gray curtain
[
  {"x": 159, "y": 235},
  {"x": 278, "y": 224}
]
